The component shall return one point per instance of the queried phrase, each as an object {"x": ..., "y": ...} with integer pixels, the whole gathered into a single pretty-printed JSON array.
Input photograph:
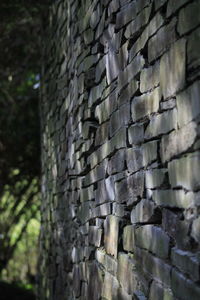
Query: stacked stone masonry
[{"x": 120, "y": 114}]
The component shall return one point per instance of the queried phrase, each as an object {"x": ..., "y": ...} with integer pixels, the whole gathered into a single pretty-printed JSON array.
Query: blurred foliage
[{"x": 21, "y": 23}]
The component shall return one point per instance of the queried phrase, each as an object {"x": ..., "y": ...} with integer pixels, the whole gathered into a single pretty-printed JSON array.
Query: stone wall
[{"x": 120, "y": 115}]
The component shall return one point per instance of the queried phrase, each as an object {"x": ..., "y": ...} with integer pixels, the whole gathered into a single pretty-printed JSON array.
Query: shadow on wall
[{"x": 121, "y": 167}]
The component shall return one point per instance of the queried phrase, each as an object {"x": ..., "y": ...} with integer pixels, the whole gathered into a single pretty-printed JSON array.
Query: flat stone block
[
  {"x": 185, "y": 172},
  {"x": 111, "y": 231},
  {"x": 172, "y": 69},
  {"x": 154, "y": 239}
]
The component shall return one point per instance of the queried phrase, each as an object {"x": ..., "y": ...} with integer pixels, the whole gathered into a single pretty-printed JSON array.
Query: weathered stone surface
[
  {"x": 141, "y": 20},
  {"x": 176, "y": 228},
  {"x": 189, "y": 18},
  {"x": 111, "y": 232},
  {"x": 105, "y": 191},
  {"x": 184, "y": 288},
  {"x": 144, "y": 105},
  {"x": 178, "y": 141},
  {"x": 161, "y": 124},
  {"x": 172, "y": 69},
  {"x": 126, "y": 14},
  {"x": 110, "y": 287},
  {"x": 151, "y": 29},
  {"x": 129, "y": 238},
  {"x": 87, "y": 194},
  {"x": 160, "y": 42},
  {"x": 95, "y": 282},
  {"x": 84, "y": 213},
  {"x": 125, "y": 272},
  {"x": 149, "y": 78},
  {"x": 185, "y": 171},
  {"x": 101, "y": 134},
  {"x": 196, "y": 229},
  {"x": 101, "y": 210},
  {"x": 128, "y": 190},
  {"x": 153, "y": 266},
  {"x": 76, "y": 281},
  {"x": 133, "y": 68},
  {"x": 169, "y": 104},
  {"x": 188, "y": 104},
  {"x": 96, "y": 92},
  {"x": 154, "y": 178},
  {"x": 126, "y": 94},
  {"x": 144, "y": 212},
  {"x": 193, "y": 55},
  {"x": 154, "y": 239},
  {"x": 134, "y": 159},
  {"x": 157, "y": 292},
  {"x": 117, "y": 162},
  {"x": 173, "y": 198},
  {"x": 95, "y": 234},
  {"x": 149, "y": 152},
  {"x": 173, "y": 6},
  {"x": 136, "y": 134},
  {"x": 187, "y": 262}
]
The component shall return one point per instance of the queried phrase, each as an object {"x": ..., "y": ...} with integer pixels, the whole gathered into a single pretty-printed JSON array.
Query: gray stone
[
  {"x": 95, "y": 235},
  {"x": 87, "y": 194},
  {"x": 153, "y": 266},
  {"x": 138, "y": 295},
  {"x": 193, "y": 55},
  {"x": 169, "y": 104},
  {"x": 187, "y": 262},
  {"x": 172, "y": 69},
  {"x": 117, "y": 162},
  {"x": 161, "y": 124},
  {"x": 130, "y": 71},
  {"x": 111, "y": 231},
  {"x": 160, "y": 42},
  {"x": 84, "y": 212},
  {"x": 110, "y": 287},
  {"x": 149, "y": 78},
  {"x": 149, "y": 151},
  {"x": 184, "y": 288},
  {"x": 195, "y": 233},
  {"x": 173, "y": 6},
  {"x": 136, "y": 134},
  {"x": 159, "y": 3},
  {"x": 129, "y": 238},
  {"x": 150, "y": 29},
  {"x": 126, "y": 15},
  {"x": 96, "y": 92},
  {"x": 101, "y": 134},
  {"x": 144, "y": 212},
  {"x": 128, "y": 189},
  {"x": 154, "y": 178},
  {"x": 119, "y": 140},
  {"x": 110, "y": 264},
  {"x": 105, "y": 191},
  {"x": 141, "y": 20},
  {"x": 189, "y": 18},
  {"x": 101, "y": 210},
  {"x": 144, "y": 105},
  {"x": 178, "y": 141},
  {"x": 95, "y": 282},
  {"x": 158, "y": 292},
  {"x": 185, "y": 172},
  {"x": 153, "y": 239},
  {"x": 188, "y": 104},
  {"x": 173, "y": 198},
  {"x": 177, "y": 229},
  {"x": 112, "y": 66},
  {"x": 119, "y": 210},
  {"x": 125, "y": 272},
  {"x": 134, "y": 158},
  {"x": 126, "y": 94}
]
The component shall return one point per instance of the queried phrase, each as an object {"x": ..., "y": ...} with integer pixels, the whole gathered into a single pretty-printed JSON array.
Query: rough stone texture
[
  {"x": 153, "y": 239},
  {"x": 120, "y": 115},
  {"x": 172, "y": 69}
]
